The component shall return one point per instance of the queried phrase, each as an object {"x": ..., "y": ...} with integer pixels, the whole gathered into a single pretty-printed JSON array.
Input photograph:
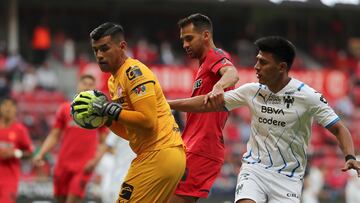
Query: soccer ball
[{"x": 88, "y": 122}]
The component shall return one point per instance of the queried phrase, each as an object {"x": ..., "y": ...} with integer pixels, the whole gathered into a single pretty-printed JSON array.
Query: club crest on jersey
[
  {"x": 140, "y": 90},
  {"x": 133, "y": 72},
  {"x": 197, "y": 84},
  {"x": 288, "y": 100}
]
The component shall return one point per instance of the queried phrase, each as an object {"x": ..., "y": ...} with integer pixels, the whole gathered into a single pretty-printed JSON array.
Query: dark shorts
[{"x": 200, "y": 175}]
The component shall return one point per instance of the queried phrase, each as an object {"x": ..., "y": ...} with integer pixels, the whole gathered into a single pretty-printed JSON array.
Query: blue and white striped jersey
[{"x": 281, "y": 124}]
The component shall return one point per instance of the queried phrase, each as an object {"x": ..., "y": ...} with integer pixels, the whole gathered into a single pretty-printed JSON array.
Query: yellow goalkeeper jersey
[{"x": 133, "y": 82}]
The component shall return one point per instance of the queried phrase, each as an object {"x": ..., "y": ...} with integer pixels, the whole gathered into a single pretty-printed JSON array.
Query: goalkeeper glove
[{"x": 87, "y": 104}]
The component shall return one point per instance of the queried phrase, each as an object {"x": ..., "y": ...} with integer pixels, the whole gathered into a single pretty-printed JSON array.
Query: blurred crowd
[{"x": 40, "y": 82}]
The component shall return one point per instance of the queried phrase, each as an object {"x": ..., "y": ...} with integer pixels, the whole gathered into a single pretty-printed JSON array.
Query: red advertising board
[{"x": 177, "y": 81}]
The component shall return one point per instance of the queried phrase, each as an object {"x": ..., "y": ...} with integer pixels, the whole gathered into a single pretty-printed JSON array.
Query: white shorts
[{"x": 265, "y": 186}]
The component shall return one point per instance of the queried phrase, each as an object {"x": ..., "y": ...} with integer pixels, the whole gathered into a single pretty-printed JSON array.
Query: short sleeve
[
  {"x": 321, "y": 111},
  {"x": 140, "y": 83},
  {"x": 60, "y": 117},
  {"x": 223, "y": 62},
  {"x": 25, "y": 140},
  {"x": 237, "y": 97}
]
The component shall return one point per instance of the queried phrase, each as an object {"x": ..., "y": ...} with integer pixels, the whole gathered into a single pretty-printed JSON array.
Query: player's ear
[
  {"x": 123, "y": 45},
  {"x": 207, "y": 35},
  {"x": 283, "y": 67}
]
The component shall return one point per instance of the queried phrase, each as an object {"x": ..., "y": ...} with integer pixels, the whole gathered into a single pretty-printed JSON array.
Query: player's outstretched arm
[
  {"x": 229, "y": 77},
  {"x": 346, "y": 144},
  {"x": 49, "y": 143},
  {"x": 197, "y": 104}
]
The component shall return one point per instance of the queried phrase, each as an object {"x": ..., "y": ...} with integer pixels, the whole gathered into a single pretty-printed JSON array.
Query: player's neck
[
  {"x": 120, "y": 64},
  {"x": 4, "y": 123},
  {"x": 210, "y": 46},
  {"x": 277, "y": 86}
]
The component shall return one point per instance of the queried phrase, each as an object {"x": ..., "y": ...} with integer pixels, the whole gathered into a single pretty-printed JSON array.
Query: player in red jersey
[
  {"x": 203, "y": 131},
  {"x": 15, "y": 143},
  {"x": 78, "y": 148}
]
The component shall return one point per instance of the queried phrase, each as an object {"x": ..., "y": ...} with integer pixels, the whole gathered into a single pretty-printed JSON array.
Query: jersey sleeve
[
  {"x": 223, "y": 62},
  {"x": 140, "y": 83},
  {"x": 321, "y": 111},
  {"x": 216, "y": 59},
  {"x": 60, "y": 118},
  {"x": 25, "y": 140},
  {"x": 237, "y": 97}
]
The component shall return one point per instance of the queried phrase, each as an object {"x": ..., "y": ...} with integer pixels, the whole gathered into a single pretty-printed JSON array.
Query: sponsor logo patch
[
  {"x": 133, "y": 72},
  {"x": 140, "y": 90},
  {"x": 126, "y": 191}
]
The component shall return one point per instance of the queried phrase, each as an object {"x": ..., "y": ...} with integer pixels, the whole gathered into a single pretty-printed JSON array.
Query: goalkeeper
[{"x": 137, "y": 112}]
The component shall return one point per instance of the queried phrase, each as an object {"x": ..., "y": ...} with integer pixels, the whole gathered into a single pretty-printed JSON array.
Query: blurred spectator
[
  {"x": 145, "y": 52},
  {"x": 46, "y": 77},
  {"x": 69, "y": 52},
  {"x": 4, "y": 85},
  {"x": 166, "y": 54},
  {"x": 41, "y": 43}
]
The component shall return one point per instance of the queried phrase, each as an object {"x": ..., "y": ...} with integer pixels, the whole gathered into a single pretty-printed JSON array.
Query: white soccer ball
[{"x": 91, "y": 121}]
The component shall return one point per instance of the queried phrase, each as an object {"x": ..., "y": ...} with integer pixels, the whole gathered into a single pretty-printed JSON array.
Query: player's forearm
[
  {"x": 49, "y": 142},
  {"x": 229, "y": 77},
  {"x": 193, "y": 104},
  {"x": 101, "y": 150},
  {"x": 344, "y": 138}
]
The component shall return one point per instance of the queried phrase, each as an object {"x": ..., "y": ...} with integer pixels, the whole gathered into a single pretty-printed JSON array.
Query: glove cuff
[{"x": 112, "y": 110}]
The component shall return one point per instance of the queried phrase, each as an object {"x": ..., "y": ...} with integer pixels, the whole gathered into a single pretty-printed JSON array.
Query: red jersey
[
  {"x": 15, "y": 136},
  {"x": 78, "y": 145},
  {"x": 203, "y": 131}
]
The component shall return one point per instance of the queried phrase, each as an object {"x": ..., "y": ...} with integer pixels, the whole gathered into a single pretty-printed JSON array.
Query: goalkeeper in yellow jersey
[{"x": 137, "y": 112}]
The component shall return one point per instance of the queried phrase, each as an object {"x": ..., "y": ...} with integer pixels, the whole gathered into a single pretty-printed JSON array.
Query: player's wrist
[
  {"x": 18, "y": 153},
  {"x": 349, "y": 157},
  {"x": 112, "y": 110}
]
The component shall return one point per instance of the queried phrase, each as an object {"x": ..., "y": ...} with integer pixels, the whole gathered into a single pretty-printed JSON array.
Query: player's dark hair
[
  {"x": 7, "y": 98},
  {"x": 281, "y": 49},
  {"x": 201, "y": 22},
  {"x": 114, "y": 30},
  {"x": 87, "y": 76}
]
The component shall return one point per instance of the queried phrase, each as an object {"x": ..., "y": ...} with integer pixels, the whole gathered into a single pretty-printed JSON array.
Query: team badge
[
  {"x": 140, "y": 90},
  {"x": 288, "y": 100},
  {"x": 133, "y": 72}
]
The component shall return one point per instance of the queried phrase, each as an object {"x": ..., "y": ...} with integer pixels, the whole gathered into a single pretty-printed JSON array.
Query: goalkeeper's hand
[{"x": 86, "y": 104}]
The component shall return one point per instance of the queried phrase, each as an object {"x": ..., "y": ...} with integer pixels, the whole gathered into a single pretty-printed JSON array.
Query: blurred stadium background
[{"x": 44, "y": 47}]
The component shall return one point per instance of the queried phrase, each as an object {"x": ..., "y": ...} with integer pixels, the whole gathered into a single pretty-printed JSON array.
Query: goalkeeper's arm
[{"x": 144, "y": 115}]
